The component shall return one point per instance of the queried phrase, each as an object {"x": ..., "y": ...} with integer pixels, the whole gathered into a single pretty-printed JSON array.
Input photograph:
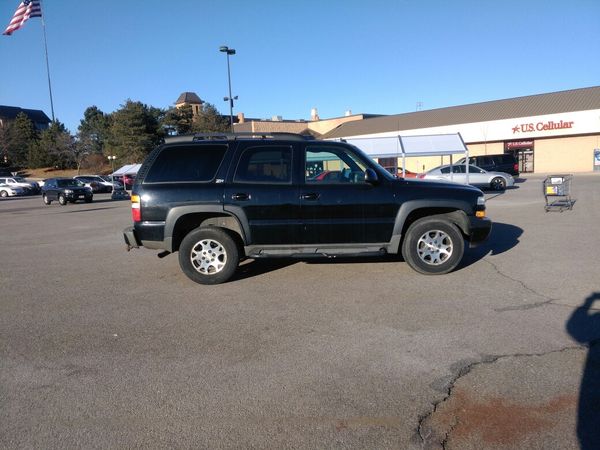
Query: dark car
[
  {"x": 503, "y": 162},
  {"x": 65, "y": 190},
  {"x": 219, "y": 199}
]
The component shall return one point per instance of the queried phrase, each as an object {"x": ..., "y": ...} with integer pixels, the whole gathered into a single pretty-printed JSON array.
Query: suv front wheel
[
  {"x": 433, "y": 246},
  {"x": 208, "y": 256}
]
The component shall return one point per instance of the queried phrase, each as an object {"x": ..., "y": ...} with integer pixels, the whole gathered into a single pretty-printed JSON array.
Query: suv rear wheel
[
  {"x": 208, "y": 256},
  {"x": 433, "y": 246}
]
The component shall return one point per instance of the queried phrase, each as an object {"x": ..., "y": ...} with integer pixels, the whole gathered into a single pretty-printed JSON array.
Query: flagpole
[{"x": 47, "y": 64}]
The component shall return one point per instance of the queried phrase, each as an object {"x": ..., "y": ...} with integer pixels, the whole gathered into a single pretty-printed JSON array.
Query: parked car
[
  {"x": 497, "y": 181},
  {"x": 96, "y": 183},
  {"x": 399, "y": 174},
  {"x": 328, "y": 175},
  {"x": 129, "y": 180},
  {"x": 220, "y": 199},
  {"x": 10, "y": 191},
  {"x": 30, "y": 187},
  {"x": 504, "y": 162},
  {"x": 114, "y": 182},
  {"x": 65, "y": 190}
]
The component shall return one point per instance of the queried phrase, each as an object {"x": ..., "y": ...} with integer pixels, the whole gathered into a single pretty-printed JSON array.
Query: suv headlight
[
  {"x": 68, "y": 191},
  {"x": 481, "y": 201}
]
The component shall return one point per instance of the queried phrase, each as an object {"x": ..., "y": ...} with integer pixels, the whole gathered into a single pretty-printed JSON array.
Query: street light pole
[
  {"x": 112, "y": 158},
  {"x": 229, "y": 51}
]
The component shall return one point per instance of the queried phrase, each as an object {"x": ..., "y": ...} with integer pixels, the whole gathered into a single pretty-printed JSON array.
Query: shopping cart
[{"x": 557, "y": 192}]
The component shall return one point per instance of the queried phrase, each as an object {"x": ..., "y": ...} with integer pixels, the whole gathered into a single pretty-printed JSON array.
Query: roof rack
[{"x": 236, "y": 136}]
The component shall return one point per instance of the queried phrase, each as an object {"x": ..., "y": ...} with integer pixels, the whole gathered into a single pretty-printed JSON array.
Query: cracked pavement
[{"x": 119, "y": 349}]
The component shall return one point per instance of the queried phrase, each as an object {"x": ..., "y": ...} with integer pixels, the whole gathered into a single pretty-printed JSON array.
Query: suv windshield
[{"x": 69, "y": 183}]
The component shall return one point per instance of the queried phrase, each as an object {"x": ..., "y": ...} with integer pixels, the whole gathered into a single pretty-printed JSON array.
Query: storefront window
[{"x": 523, "y": 150}]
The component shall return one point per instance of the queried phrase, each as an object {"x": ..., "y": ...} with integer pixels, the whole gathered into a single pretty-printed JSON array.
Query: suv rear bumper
[
  {"x": 130, "y": 238},
  {"x": 480, "y": 230}
]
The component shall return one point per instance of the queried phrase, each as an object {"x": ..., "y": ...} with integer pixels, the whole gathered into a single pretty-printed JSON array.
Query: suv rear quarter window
[{"x": 187, "y": 163}]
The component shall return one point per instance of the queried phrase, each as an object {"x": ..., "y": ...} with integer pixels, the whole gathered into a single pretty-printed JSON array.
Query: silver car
[
  {"x": 10, "y": 191},
  {"x": 497, "y": 181}
]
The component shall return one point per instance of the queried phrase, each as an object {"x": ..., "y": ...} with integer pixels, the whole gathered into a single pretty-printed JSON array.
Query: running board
[{"x": 315, "y": 252}]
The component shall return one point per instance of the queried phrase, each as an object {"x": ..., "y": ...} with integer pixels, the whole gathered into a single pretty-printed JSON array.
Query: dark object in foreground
[{"x": 120, "y": 194}]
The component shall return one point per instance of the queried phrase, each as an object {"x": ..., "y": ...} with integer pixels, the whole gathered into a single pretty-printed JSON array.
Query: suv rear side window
[
  {"x": 186, "y": 163},
  {"x": 270, "y": 164}
]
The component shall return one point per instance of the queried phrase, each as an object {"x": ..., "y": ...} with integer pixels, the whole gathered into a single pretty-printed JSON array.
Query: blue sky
[{"x": 374, "y": 56}]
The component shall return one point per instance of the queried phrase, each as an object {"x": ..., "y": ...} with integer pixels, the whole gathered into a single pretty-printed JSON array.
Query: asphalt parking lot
[{"x": 103, "y": 348}]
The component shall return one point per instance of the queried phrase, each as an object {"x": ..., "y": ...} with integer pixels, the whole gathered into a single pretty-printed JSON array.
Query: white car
[
  {"x": 112, "y": 181},
  {"x": 10, "y": 191},
  {"x": 30, "y": 187},
  {"x": 97, "y": 183},
  {"x": 498, "y": 181}
]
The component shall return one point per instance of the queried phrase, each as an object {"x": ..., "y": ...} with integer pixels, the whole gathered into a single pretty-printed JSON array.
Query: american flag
[{"x": 25, "y": 10}]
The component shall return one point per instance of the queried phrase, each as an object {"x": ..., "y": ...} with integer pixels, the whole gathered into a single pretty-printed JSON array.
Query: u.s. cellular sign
[{"x": 542, "y": 126}]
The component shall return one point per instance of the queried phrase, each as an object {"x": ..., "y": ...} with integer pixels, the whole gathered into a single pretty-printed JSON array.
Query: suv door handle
[
  {"x": 240, "y": 196},
  {"x": 309, "y": 196}
]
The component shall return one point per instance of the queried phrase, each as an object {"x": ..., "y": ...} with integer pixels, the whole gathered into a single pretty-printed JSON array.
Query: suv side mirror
[{"x": 371, "y": 176}]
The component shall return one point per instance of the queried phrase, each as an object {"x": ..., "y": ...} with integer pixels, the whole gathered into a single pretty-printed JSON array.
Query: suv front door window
[{"x": 337, "y": 204}]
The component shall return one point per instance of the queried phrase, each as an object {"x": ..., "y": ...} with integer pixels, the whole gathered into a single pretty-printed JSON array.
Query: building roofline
[{"x": 580, "y": 99}]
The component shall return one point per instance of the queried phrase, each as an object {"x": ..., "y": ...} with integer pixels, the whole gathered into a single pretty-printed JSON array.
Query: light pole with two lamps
[
  {"x": 112, "y": 158},
  {"x": 229, "y": 51}
]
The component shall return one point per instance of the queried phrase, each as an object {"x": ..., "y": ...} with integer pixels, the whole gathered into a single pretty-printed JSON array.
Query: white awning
[
  {"x": 407, "y": 146},
  {"x": 425, "y": 145},
  {"x": 127, "y": 169}
]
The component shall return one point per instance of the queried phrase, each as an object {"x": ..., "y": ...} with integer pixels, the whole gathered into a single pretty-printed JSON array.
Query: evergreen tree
[
  {"x": 39, "y": 156},
  {"x": 60, "y": 147},
  {"x": 179, "y": 120},
  {"x": 93, "y": 129},
  {"x": 210, "y": 120},
  {"x": 135, "y": 130},
  {"x": 21, "y": 136}
]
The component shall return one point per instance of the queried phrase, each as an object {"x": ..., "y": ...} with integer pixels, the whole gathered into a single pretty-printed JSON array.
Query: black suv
[
  {"x": 218, "y": 199},
  {"x": 503, "y": 162},
  {"x": 65, "y": 190}
]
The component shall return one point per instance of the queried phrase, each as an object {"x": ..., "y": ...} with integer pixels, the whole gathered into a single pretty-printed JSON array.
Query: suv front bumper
[{"x": 480, "y": 230}]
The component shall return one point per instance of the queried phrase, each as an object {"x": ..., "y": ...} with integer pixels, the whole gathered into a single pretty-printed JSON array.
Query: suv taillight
[
  {"x": 516, "y": 167},
  {"x": 136, "y": 211}
]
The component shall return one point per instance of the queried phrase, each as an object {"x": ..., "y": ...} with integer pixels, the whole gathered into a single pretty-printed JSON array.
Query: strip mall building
[{"x": 555, "y": 132}]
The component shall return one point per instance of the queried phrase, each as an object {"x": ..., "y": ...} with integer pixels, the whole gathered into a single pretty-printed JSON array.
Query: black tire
[
  {"x": 89, "y": 199},
  {"x": 498, "y": 184},
  {"x": 433, "y": 246},
  {"x": 208, "y": 256},
  {"x": 3, "y": 194},
  {"x": 62, "y": 199},
  {"x": 47, "y": 201}
]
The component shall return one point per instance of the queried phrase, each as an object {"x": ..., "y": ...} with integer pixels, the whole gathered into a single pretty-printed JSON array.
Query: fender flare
[
  {"x": 459, "y": 206},
  {"x": 222, "y": 218}
]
